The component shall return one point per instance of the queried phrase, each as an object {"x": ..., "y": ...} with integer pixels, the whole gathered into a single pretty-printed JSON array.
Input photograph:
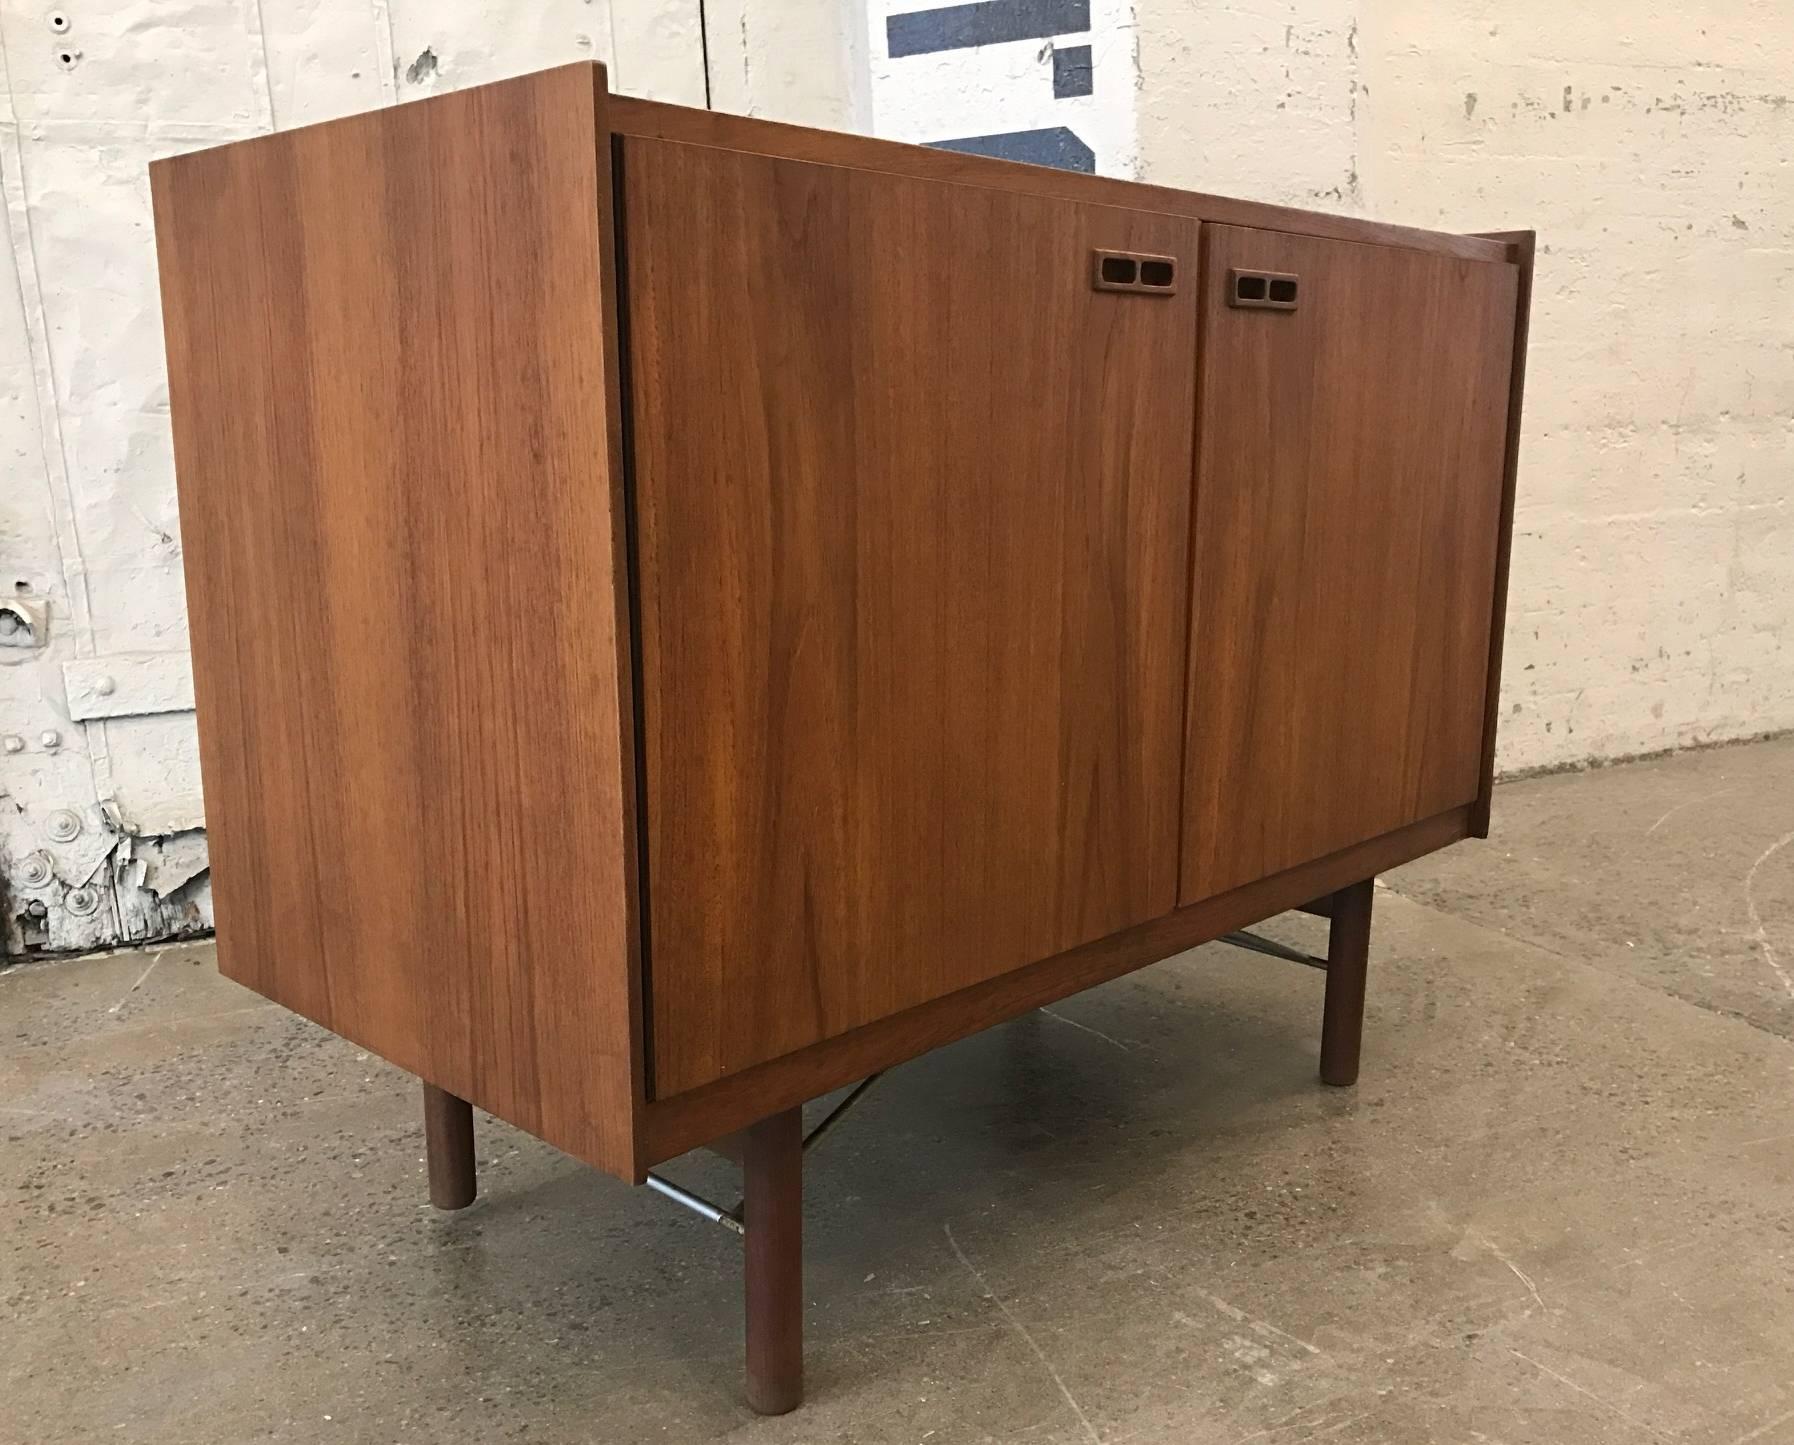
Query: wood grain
[
  {"x": 1521, "y": 245},
  {"x": 1348, "y": 507},
  {"x": 692, "y": 1119},
  {"x": 913, "y": 509},
  {"x": 394, "y": 436},
  {"x": 655, "y": 120}
]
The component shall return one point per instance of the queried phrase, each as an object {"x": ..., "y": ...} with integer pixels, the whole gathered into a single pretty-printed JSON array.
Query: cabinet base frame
[
  {"x": 734, "y": 1220},
  {"x": 672, "y": 1126},
  {"x": 769, "y": 1218}
]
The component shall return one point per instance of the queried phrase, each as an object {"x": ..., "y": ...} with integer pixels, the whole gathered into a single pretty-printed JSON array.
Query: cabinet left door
[{"x": 912, "y": 507}]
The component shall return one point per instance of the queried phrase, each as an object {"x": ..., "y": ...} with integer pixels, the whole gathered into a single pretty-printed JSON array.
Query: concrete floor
[{"x": 1558, "y": 1208}]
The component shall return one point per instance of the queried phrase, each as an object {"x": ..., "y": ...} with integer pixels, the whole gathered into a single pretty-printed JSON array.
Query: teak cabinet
[{"x": 688, "y": 612}]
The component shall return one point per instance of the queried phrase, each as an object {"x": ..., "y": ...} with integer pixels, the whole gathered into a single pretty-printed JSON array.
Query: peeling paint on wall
[
  {"x": 101, "y": 819},
  {"x": 77, "y": 879}
]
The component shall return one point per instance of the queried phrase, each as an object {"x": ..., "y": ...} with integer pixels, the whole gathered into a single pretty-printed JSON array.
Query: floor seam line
[{"x": 1582, "y": 961}]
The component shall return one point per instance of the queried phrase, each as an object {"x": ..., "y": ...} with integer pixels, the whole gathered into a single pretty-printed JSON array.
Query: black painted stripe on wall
[
  {"x": 987, "y": 22},
  {"x": 1054, "y": 146},
  {"x": 1071, "y": 72}
]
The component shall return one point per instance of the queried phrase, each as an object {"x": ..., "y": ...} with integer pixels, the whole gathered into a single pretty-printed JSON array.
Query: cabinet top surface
[
  {"x": 660, "y": 121},
  {"x": 626, "y": 116}
]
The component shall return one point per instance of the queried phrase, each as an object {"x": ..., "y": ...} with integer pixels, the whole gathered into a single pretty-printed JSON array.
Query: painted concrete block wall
[
  {"x": 1649, "y": 145},
  {"x": 1652, "y": 148},
  {"x": 1252, "y": 100}
]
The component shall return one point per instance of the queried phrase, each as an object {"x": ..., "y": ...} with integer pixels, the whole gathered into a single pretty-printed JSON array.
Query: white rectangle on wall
[
  {"x": 128, "y": 684},
  {"x": 1048, "y": 81}
]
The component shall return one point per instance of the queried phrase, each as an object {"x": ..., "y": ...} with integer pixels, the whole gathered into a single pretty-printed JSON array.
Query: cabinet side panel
[
  {"x": 394, "y": 432},
  {"x": 1348, "y": 511},
  {"x": 1521, "y": 245}
]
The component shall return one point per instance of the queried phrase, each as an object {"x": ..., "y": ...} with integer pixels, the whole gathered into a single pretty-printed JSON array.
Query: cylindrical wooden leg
[
  {"x": 773, "y": 1166},
  {"x": 1348, "y": 952},
  {"x": 448, "y": 1140}
]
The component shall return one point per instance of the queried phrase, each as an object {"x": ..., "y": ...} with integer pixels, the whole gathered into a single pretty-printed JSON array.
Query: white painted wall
[{"x": 1652, "y": 147}]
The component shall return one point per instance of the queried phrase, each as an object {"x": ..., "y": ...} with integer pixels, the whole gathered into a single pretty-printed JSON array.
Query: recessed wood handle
[
  {"x": 1262, "y": 290},
  {"x": 1133, "y": 271}
]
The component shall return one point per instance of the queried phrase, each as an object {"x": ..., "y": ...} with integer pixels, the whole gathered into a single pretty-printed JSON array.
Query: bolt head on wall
[
  {"x": 35, "y": 870},
  {"x": 63, "y": 826},
  {"x": 82, "y": 902}
]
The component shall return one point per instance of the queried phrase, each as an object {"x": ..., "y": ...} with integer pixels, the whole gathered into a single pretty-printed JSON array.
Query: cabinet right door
[{"x": 1348, "y": 499}]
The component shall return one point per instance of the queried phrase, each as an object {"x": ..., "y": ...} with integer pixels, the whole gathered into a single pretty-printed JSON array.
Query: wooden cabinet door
[
  {"x": 1348, "y": 496},
  {"x": 912, "y": 519}
]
